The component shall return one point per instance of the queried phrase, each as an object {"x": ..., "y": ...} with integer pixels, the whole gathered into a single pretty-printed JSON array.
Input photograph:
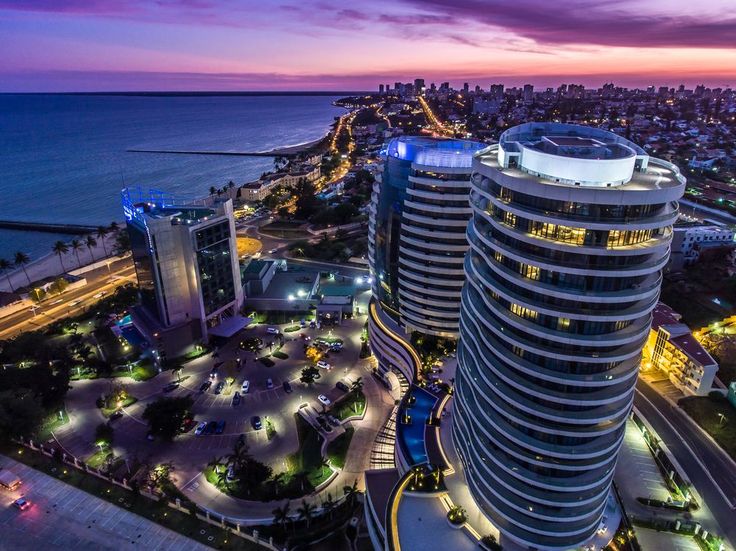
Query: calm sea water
[{"x": 64, "y": 159}]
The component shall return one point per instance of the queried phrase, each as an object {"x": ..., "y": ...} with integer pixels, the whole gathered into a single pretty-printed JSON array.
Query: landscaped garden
[{"x": 717, "y": 416}]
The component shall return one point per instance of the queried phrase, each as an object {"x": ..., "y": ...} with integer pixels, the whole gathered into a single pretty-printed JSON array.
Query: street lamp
[{"x": 721, "y": 419}]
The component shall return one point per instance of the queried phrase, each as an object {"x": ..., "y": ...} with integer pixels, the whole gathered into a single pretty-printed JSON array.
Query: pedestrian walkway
[{"x": 64, "y": 517}]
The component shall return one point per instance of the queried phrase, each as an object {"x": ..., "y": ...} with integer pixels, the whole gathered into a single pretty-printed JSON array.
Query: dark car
[
  {"x": 211, "y": 426},
  {"x": 255, "y": 421},
  {"x": 187, "y": 425},
  {"x": 213, "y": 373},
  {"x": 220, "y": 427},
  {"x": 116, "y": 415},
  {"x": 205, "y": 386},
  {"x": 342, "y": 386},
  {"x": 219, "y": 387},
  {"x": 236, "y": 398},
  {"x": 287, "y": 387},
  {"x": 171, "y": 386}
]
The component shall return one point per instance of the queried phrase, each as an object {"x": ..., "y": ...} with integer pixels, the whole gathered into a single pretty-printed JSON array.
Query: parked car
[
  {"x": 205, "y": 386},
  {"x": 213, "y": 373},
  {"x": 171, "y": 386},
  {"x": 200, "y": 428},
  {"x": 272, "y": 331},
  {"x": 324, "y": 400},
  {"x": 323, "y": 365},
  {"x": 219, "y": 427},
  {"x": 342, "y": 386},
  {"x": 236, "y": 398},
  {"x": 117, "y": 414},
  {"x": 219, "y": 387},
  {"x": 255, "y": 422},
  {"x": 187, "y": 425},
  {"x": 246, "y": 387},
  {"x": 269, "y": 383},
  {"x": 22, "y": 504},
  {"x": 287, "y": 387},
  {"x": 211, "y": 426}
]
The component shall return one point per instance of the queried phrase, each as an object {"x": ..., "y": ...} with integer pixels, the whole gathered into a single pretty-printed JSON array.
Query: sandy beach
[{"x": 49, "y": 265}]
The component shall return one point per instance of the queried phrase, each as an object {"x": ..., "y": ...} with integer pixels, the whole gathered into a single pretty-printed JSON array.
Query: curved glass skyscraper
[
  {"x": 571, "y": 229},
  {"x": 416, "y": 243}
]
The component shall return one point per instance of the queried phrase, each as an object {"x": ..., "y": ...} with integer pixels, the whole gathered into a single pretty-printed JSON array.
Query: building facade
[
  {"x": 419, "y": 213},
  {"x": 571, "y": 228},
  {"x": 673, "y": 349},
  {"x": 186, "y": 262}
]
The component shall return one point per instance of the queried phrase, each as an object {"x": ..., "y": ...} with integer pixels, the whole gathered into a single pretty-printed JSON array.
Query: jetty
[{"x": 71, "y": 229}]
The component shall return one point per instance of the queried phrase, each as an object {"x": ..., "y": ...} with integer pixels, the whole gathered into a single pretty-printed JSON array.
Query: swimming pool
[
  {"x": 411, "y": 437},
  {"x": 130, "y": 333}
]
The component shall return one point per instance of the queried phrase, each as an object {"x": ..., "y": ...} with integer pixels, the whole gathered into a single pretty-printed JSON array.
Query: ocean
[{"x": 63, "y": 158}]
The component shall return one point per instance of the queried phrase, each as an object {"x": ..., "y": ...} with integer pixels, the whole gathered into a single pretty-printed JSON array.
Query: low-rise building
[
  {"x": 690, "y": 242},
  {"x": 258, "y": 190},
  {"x": 672, "y": 348},
  {"x": 272, "y": 290}
]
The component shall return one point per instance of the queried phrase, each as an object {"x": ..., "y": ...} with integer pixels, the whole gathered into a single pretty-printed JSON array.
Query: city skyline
[{"x": 321, "y": 45}]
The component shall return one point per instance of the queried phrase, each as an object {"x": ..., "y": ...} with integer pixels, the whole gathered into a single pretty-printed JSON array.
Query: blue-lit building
[
  {"x": 416, "y": 243},
  {"x": 186, "y": 262}
]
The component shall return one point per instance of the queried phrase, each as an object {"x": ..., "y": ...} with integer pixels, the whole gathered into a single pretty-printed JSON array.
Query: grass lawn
[
  {"x": 129, "y": 401},
  {"x": 705, "y": 411},
  {"x": 98, "y": 459},
  {"x": 158, "y": 512},
  {"x": 280, "y": 355},
  {"x": 50, "y": 424},
  {"x": 351, "y": 404},
  {"x": 292, "y": 328},
  {"x": 338, "y": 448}
]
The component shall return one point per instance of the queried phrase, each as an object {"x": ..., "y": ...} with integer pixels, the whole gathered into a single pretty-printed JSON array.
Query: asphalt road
[
  {"x": 712, "y": 474},
  {"x": 71, "y": 302}
]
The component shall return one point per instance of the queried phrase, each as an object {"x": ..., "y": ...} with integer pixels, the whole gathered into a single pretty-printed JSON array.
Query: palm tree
[
  {"x": 60, "y": 248},
  {"x": 222, "y": 478},
  {"x": 76, "y": 245},
  {"x": 113, "y": 227},
  {"x": 213, "y": 190},
  {"x": 21, "y": 259},
  {"x": 328, "y": 505},
  {"x": 357, "y": 385},
  {"x": 351, "y": 492},
  {"x": 102, "y": 232},
  {"x": 281, "y": 514},
  {"x": 91, "y": 243},
  {"x": 325, "y": 463},
  {"x": 5, "y": 266},
  {"x": 306, "y": 511}
]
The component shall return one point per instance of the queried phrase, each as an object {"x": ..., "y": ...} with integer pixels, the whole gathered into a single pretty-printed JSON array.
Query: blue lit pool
[
  {"x": 411, "y": 437},
  {"x": 129, "y": 332}
]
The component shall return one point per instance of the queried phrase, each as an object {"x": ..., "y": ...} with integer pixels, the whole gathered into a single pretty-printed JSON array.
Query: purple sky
[{"x": 98, "y": 45}]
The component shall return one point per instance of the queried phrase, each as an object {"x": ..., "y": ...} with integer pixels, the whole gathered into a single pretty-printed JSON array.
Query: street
[{"x": 712, "y": 474}]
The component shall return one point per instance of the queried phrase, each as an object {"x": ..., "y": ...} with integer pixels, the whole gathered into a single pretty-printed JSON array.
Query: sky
[{"x": 233, "y": 45}]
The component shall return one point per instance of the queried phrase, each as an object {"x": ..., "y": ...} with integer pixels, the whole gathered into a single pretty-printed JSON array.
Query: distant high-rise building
[
  {"x": 528, "y": 94},
  {"x": 571, "y": 230},
  {"x": 186, "y": 261},
  {"x": 466, "y": 87},
  {"x": 445, "y": 87},
  {"x": 497, "y": 91},
  {"x": 380, "y": 89},
  {"x": 388, "y": 88},
  {"x": 418, "y": 85},
  {"x": 478, "y": 89},
  {"x": 433, "y": 87}
]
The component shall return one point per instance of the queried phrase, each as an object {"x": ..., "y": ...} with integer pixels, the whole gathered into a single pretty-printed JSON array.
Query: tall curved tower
[
  {"x": 416, "y": 239},
  {"x": 571, "y": 229}
]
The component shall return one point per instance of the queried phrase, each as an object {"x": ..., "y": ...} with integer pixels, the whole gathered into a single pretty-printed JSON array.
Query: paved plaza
[{"x": 64, "y": 517}]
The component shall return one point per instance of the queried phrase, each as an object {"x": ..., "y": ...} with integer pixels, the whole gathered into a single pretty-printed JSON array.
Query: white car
[
  {"x": 324, "y": 400},
  {"x": 200, "y": 428},
  {"x": 272, "y": 331},
  {"x": 246, "y": 386},
  {"x": 323, "y": 365},
  {"x": 272, "y": 251}
]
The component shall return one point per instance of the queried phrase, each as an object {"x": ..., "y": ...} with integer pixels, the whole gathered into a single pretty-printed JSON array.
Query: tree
[
  {"x": 306, "y": 511},
  {"x": 21, "y": 259},
  {"x": 309, "y": 375},
  {"x": 328, "y": 505},
  {"x": 102, "y": 232},
  {"x": 20, "y": 412},
  {"x": 351, "y": 492},
  {"x": 357, "y": 386},
  {"x": 114, "y": 226},
  {"x": 60, "y": 248},
  {"x": 37, "y": 294},
  {"x": 75, "y": 246},
  {"x": 104, "y": 435},
  {"x": 91, "y": 243},
  {"x": 165, "y": 415},
  {"x": 122, "y": 243},
  {"x": 213, "y": 190},
  {"x": 281, "y": 514},
  {"x": 58, "y": 286},
  {"x": 5, "y": 266},
  {"x": 306, "y": 200}
]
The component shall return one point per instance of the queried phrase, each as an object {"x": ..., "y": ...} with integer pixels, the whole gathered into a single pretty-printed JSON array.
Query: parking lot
[
  {"x": 63, "y": 517},
  {"x": 191, "y": 452}
]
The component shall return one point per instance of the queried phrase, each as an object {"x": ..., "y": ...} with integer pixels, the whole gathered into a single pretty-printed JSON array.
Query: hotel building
[
  {"x": 571, "y": 228},
  {"x": 186, "y": 261}
]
